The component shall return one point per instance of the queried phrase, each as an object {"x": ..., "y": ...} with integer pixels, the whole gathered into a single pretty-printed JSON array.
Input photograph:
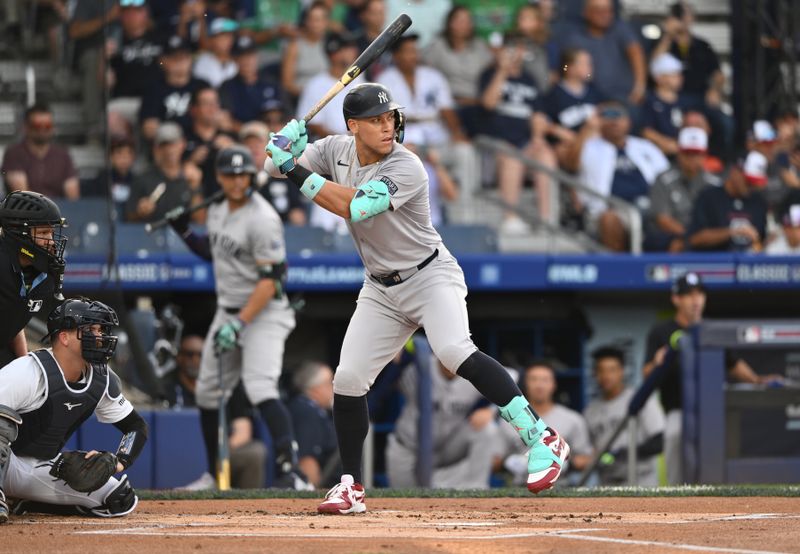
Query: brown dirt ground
[{"x": 417, "y": 526}]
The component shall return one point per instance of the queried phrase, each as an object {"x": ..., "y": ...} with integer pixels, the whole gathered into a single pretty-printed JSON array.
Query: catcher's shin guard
[
  {"x": 119, "y": 502},
  {"x": 9, "y": 423}
]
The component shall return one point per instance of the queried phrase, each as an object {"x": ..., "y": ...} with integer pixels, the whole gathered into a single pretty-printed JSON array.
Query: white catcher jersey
[
  {"x": 398, "y": 239},
  {"x": 23, "y": 388},
  {"x": 240, "y": 241}
]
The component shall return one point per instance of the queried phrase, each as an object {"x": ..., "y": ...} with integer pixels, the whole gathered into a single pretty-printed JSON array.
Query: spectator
[
  {"x": 247, "y": 95},
  {"x": 165, "y": 185},
  {"x": 511, "y": 98},
  {"x": 571, "y": 101},
  {"x": 428, "y": 16},
  {"x": 662, "y": 112},
  {"x": 674, "y": 192},
  {"x": 87, "y": 30},
  {"x": 191, "y": 22},
  {"x": 281, "y": 193},
  {"x": 442, "y": 189},
  {"x": 372, "y": 16},
  {"x": 305, "y": 56},
  {"x": 431, "y": 121},
  {"x": 179, "y": 384},
  {"x": 216, "y": 65},
  {"x": 604, "y": 415},
  {"x": 313, "y": 424},
  {"x": 619, "y": 62},
  {"x": 787, "y": 158},
  {"x": 463, "y": 426},
  {"x": 694, "y": 118},
  {"x": 788, "y": 217},
  {"x": 532, "y": 26},
  {"x": 205, "y": 137},
  {"x": 36, "y": 163},
  {"x": 168, "y": 98},
  {"x": 540, "y": 385},
  {"x": 114, "y": 180},
  {"x": 689, "y": 299},
  {"x": 763, "y": 139},
  {"x": 732, "y": 217},
  {"x": 272, "y": 22},
  {"x": 614, "y": 164},
  {"x": 461, "y": 57}
]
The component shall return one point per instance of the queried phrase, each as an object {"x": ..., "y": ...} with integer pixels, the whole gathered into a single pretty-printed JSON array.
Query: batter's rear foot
[
  {"x": 545, "y": 460},
  {"x": 3, "y": 508},
  {"x": 345, "y": 498}
]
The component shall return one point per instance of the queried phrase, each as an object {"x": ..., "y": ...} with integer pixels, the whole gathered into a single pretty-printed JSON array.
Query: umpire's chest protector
[{"x": 44, "y": 431}]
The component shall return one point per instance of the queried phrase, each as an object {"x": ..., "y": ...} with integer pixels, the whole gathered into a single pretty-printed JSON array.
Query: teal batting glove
[
  {"x": 279, "y": 148},
  {"x": 227, "y": 337},
  {"x": 296, "y": 132}
]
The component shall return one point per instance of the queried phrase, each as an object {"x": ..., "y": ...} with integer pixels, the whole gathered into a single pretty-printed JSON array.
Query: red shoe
[
  {"x": 545, "y": 461},
  {"x": 345, "y": 498}
]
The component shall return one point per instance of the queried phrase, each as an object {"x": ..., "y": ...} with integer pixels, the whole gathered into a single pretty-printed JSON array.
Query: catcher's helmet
[
  {"x": 22, "y": 211},
  {"x": 235, "y": 160},
  {"x": 81, "y": 314},
  {"x": 370, "y": 99}
]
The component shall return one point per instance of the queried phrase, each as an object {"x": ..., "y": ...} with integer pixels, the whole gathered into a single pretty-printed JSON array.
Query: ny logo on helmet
[
  {"x": 382, "y": 96},
  {"x": 237, "y": 160}
]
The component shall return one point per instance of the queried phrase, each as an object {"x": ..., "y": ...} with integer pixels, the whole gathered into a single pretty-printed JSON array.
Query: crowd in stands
[{"x": 573, "y": 87}]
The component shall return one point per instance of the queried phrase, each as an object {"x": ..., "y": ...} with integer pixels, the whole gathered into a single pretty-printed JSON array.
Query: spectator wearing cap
[
  {"x": 342, "y": 52},
  {"x": 788, "y": 218},
  {"x": 249, "y": 95},
  {"x": 305, "y": 55},
  {"x": 285, "y": 198},
  {"x": 216, "y": 65},
  {"x": 688, "y": 296},
  {"x": 37, "y": 163},
  {"x": 662, "y": 111},
  {"x": 614, "y": 163},
  {"x": 164, "y": 186},
  {"x": 763, "y": 139},
  {"x": 733, "y": 217},
  {"x": 619, "y": 61},
  {"x": 673, "y": 193},
  {"x": 168, "y": 98},
  {"x": 114, "y": 181},
  {"x": 461, "y": 56}
]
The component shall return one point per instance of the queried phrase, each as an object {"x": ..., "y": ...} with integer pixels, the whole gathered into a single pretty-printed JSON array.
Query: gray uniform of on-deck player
[
  {"x": 240, "y": 242},
  {"x": 395, "y": 240}
]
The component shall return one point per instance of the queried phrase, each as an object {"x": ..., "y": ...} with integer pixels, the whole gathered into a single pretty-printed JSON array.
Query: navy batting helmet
[
  {"x": 235, "y": 160},
  {"x": 82, "y": 314},
  {"x": 371, "y": 99}
]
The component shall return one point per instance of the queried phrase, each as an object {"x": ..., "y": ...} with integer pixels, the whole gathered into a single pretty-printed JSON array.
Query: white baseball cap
[
  {"x": 763, "y": 131},
  {"x": 665, "y": 64},
  {"x": 693, "y": 140},
  {"x": 755, "y": 168}
]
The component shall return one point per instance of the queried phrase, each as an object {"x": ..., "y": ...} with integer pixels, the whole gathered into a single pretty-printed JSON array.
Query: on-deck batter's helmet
[
  {"x": 235, "y": 160},
  {"x": 81, "y": 314},
  {"x": 22, "y": 211},
  {"x": 370, "y": 99}
]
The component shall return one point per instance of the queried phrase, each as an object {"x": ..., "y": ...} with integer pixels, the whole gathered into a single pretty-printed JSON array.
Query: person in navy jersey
[
  {"x": 663, "y": 109},
  {"x": 511, "y": 98},
  {"x": 248, "y": 95},
  {"x": 572, "y": 100},
  {"x": 134, "y": 62},
  {"x": 169, "y": 97}
]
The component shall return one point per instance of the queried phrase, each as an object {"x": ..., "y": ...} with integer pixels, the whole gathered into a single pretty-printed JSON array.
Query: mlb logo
[{"x": 34, "y": 306}]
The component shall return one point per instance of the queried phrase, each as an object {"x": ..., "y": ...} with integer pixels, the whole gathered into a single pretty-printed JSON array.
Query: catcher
[{"x": 44, "y": 398}]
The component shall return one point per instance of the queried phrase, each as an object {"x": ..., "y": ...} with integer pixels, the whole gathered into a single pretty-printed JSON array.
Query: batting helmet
[
  {"x": 370, "y": 99},
  {"x": 20, "y": 213},
  {"x": 81, "y": 314},
  {"x": 235, "y": 160}
]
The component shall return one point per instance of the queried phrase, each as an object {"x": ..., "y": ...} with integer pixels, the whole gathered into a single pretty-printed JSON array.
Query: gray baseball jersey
[
  {"x": 240, "y": 240},
  {"x": 394, "y": 240}
]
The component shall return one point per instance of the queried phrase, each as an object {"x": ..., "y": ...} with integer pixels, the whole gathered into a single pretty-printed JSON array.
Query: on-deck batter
[{"x": 412, "y": 280}]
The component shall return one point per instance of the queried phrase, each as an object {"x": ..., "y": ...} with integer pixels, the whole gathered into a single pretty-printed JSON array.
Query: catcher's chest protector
[{"x": 44, "y": 432}]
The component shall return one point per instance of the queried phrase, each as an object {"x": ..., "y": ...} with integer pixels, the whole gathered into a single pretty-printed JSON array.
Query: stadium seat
[
  {"x": 307, "y": 240},
  {"x": 468, "y": 239},
  {"x": 132, "y": 239}
]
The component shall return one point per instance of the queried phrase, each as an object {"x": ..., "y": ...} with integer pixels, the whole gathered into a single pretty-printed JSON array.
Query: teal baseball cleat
[{"x": 545, "y": 460}]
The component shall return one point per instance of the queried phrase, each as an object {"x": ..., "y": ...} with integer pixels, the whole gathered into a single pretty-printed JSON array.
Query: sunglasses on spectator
[
  {"x": 41, "y": 125},
  {"x": 612, "y": 113}
]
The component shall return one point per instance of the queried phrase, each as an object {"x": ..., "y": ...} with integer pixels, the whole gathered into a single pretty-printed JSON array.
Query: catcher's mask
[
  {"x": 32, "y": 223},
  {"x": 94, "y": 322}
]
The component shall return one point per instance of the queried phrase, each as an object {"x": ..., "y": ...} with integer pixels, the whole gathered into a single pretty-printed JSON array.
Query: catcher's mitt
[{"x": 84, "y": 474}]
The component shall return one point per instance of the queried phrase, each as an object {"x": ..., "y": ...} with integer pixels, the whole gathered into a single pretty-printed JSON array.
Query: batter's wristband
[{"x": 310, "y": 183}]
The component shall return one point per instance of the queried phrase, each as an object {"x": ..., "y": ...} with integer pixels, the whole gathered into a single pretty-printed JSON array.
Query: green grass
[{"x": 517, "y": 492}]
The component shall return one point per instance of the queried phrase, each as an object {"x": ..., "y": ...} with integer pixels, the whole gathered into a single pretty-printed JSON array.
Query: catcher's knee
[
  {"x": 9, "y": 427},
  {"x": 119, "y": 502}
]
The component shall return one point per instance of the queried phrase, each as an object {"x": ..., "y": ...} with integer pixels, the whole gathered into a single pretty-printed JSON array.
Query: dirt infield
[{"x": 509, "y": 525}]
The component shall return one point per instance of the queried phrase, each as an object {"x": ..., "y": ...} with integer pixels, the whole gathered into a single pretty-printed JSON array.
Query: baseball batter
[
  {"x": 253, "y": 317},
  {"x": 412, "y": 281},
  {"x": 45, "y": 396}
]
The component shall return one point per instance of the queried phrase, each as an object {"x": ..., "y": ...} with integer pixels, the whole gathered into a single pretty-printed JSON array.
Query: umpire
[
  {"x": 253, "y": 318},
  {"x": 32, "y": 245}
]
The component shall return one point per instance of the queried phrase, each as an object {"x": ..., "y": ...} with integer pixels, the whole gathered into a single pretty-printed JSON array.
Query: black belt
[
  {"x": 231, "y": 310},
  {"x": 397, "y": 277}
]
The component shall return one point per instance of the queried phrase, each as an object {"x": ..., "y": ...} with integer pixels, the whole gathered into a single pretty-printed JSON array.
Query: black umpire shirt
[{"x": 23, "y": 294}]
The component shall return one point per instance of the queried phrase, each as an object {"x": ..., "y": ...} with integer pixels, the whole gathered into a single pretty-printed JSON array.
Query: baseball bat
[
  {"x": 181, "y": 210},
  {"x": 223, "y": 454}
]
